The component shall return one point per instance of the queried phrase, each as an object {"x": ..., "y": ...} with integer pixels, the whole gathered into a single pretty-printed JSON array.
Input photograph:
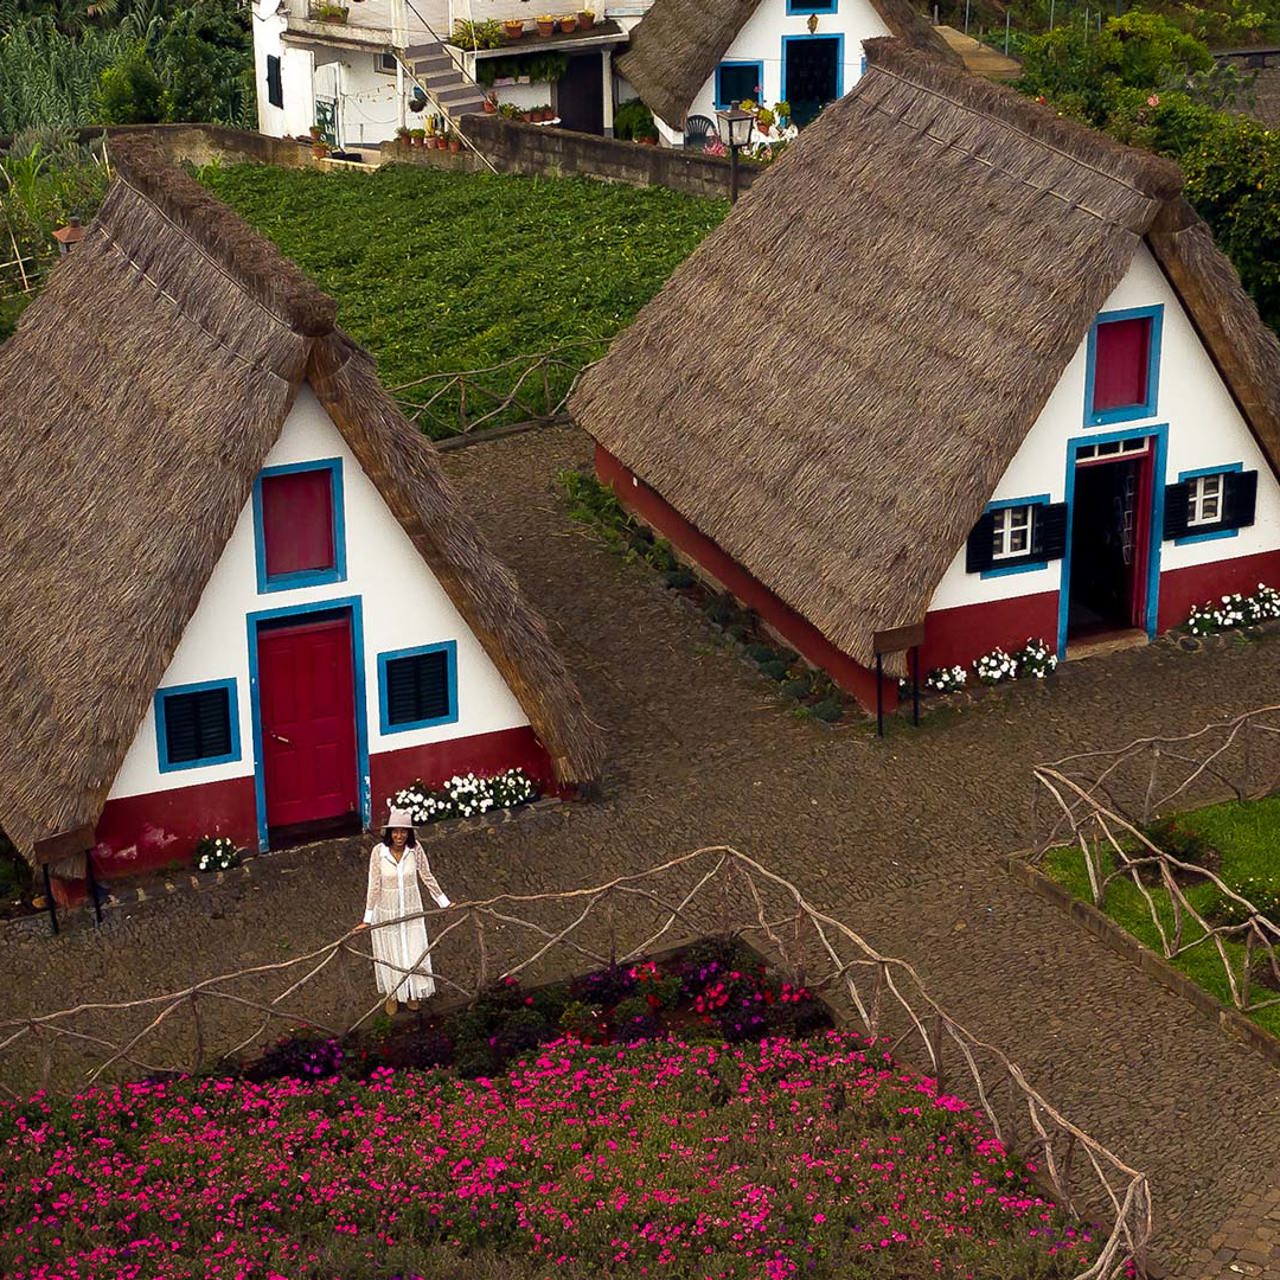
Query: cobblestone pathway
[{"x": 902, "y": 839}]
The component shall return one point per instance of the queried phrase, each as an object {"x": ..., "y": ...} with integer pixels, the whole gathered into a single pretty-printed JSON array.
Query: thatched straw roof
[
  {"x": 679, "y": 43},
  {"x": 831, "y": 386},
  {"x": 138, "y": 400}
]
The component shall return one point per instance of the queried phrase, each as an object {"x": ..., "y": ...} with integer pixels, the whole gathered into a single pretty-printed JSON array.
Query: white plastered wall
[
  {"x": 298, "y": 113},
  {"x": 761, "y": 40},
  {"x": 1206, "y": 429},
  {"x": 403, "y": 606}
]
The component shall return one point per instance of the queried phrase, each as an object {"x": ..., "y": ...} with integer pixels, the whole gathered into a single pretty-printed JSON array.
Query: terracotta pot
[
  {"x": 648, "y": 142},
  {"x": 513, "y": 29},
  {"x": 568, "y": 25},
  {"x": 441, "y": 144},
  {"x": 455, "y": 146},
  {"x": 586, "y": 21},
  {"x": 319, "y": 150},
  {"x": 546, "y": 29},
  {"x": 490, "y": 106}
]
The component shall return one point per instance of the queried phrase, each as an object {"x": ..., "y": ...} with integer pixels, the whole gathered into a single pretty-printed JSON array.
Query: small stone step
[
  {"x": 416, "y": 51},
  {"x": 434, "y": 67},
  {"x": 461, "y": 93}
]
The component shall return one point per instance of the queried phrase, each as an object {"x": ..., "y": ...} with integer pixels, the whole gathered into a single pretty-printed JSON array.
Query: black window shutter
[
  {"x": 197, "y": 725},
  {"x": 1241, "y": 492},
  {"x": 977, "y": 555},
  {"x": 1049, "y": 531},
  {"x": 275, "y": 85},
  {"x": 1176, "y": 503},
  {"x": 418, "y": 688}
]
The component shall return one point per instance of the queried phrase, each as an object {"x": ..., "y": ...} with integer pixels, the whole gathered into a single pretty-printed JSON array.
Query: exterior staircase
[{"x": 434, "y": 71}]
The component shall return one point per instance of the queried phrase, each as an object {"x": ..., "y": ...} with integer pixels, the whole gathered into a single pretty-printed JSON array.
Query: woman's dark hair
[{"x": 411, "y": 843}]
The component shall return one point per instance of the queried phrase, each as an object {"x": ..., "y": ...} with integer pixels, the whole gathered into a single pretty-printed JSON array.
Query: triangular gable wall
[{"x": 402, "y": 606}]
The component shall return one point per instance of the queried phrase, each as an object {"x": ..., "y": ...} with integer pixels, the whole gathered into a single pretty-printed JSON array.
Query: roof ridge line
[
  {"x": 1020, "y": 129},
  {"x": 119, "y": 250},
  {"x": 218, "y": 266}
]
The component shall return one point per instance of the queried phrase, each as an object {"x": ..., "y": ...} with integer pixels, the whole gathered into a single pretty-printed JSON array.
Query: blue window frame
[
  {"x": 1149, "y": 406},
  {"x": 812, "y": 6},
  {"x": 197, "y": 725},
  {"x": 736, "y": 80},
  {"x": 1016, "y": 564},
  {"x": 1210, "y": 534},
  {"x": 337, "y": 570},
  {"x": 418, "y": 688}
]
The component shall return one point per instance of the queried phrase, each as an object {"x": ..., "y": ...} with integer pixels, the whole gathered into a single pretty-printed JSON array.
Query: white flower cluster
[
  {"x": 465, "y": 795},
  {"x": 946, "y": 679},
  {"x": 996, "y": 667},
  {"x": 216, "y": 853},
  {"x": 1035, "y": 658},
  {"x": 1235, "y": 611}
]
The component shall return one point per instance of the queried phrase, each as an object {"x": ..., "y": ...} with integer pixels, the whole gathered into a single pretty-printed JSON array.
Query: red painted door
[{"x": 306, "y": 692}]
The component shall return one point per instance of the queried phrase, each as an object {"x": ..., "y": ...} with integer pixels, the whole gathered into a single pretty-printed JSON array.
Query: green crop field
[{"x": 437, "y": 271}]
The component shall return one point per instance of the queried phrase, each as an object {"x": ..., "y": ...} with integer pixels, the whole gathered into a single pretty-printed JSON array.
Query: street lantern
[
  {"x": 735, "y": 127},
  {"x": 69, "y": 236}
]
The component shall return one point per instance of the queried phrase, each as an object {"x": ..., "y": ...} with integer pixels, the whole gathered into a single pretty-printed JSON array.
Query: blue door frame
[
  {"x": 350, "y": 605},
  {"x": 1159, "y": 434},
  {"x": 789, "y": 41}
]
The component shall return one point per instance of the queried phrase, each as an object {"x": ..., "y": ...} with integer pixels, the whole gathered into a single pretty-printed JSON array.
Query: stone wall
[
  {"x": 203, "y": 143},
  {"x": 536, "y": 150}
]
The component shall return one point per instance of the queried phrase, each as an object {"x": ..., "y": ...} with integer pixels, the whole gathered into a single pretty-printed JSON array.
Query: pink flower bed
[{"x": 810, "y": 1158}]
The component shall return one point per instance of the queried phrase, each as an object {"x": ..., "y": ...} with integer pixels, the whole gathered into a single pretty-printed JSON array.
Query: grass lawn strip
[
  {"x": 436, "y": 271},
  {"x": 1246, "y": 836}
]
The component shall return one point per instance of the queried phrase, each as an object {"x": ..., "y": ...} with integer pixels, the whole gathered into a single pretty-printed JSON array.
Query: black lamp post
[{"x": 735, "y": 127}]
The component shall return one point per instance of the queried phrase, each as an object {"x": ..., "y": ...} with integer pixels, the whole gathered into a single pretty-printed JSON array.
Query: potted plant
[
  {"x": 442, "y": 142},
  {"x": 569, "y": 23},
  {"x": 783, "y": 111},
  {"x": 330, "y": 13},
  {"x": 319, "y": 147},
  {"x": 586, "y": 19},
  {"x": 455, "y": 143},
  {"x": 513, "y": 28},
  {"x": 490, "y": 104},
  {"x": 402, "y": 137},
  {"x": 764, "y": 119},
  {"x": 546, "y": 25},
  {"x": 417, "y": 104},
  {"x": 417, "y": 137}
]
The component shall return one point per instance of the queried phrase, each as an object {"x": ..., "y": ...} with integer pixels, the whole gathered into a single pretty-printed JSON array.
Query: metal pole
[
  {"x": 879, "y": 696},
  {"x": 967, "y": 3},
  {"x": 1051, "y": 4},
  {"x": 48, "y": 897},
  {"x": 733, "y": 175},
  {"x": 1007, "y": 18},
  {"x": 915, "y": 684},
  {"x": 93, "y": 887}
]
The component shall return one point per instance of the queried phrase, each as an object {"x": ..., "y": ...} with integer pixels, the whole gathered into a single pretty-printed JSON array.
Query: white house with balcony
[{"x": 365, "y": 68}]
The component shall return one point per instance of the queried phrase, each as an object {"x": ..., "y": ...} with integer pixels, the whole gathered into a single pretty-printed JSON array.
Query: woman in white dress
[{"x": 401, "y": 969}]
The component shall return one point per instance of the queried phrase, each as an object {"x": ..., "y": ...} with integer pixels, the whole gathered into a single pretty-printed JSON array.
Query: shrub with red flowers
[{"x": 758, "y": 1161}]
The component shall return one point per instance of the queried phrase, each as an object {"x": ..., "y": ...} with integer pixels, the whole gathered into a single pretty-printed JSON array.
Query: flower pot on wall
[
  {"x": 455, "y": 146},
  {"x": 586, "y": 19},
  {"x": 513, "y": 29},
  {"x": 569, "y": 25},
  {"x": 546, "y": 27}
]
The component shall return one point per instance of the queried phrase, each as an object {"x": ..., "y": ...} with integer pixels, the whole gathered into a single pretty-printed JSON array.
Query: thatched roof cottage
[
  {"x": 237, "y": 595},
  {"x": 956, "y": 373},
  {"x": 686, "y": 58}
]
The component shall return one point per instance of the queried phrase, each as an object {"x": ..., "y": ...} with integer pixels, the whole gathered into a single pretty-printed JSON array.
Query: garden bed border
[{"x": 1233, "y": 1023}]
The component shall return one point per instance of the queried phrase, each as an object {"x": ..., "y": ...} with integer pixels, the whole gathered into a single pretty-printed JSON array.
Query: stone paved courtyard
[{"x": 901, "y": 839}]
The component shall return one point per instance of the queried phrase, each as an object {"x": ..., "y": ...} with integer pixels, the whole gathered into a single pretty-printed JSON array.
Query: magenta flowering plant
[{"x": 813, "y": 1158}]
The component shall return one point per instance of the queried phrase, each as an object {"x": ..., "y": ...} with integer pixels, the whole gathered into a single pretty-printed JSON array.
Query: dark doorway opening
[
  {"x": 1110, "y": 537},
  {"x": 812, "y": 75},
  {"x": 580, "y": 94}
]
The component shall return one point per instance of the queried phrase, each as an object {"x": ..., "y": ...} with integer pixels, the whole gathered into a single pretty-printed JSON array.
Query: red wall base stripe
[
  {"x": 957, "y": 636},
  {"x": 1181, "y": 589},
  {"x": 798, "y": 632}
]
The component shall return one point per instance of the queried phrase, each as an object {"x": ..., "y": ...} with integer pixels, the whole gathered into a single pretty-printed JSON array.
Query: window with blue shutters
[
  {"x": 418, "y": 688},
  {"x": 1215, "y": 502},
  {"x": 196, "y": 725}
]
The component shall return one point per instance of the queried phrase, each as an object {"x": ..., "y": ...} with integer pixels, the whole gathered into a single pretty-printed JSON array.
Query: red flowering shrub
[{"x": 816, "y": 1158}]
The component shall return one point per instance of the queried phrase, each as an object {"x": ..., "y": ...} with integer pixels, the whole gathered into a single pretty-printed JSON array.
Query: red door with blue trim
[{"x": 306, "y": 693}]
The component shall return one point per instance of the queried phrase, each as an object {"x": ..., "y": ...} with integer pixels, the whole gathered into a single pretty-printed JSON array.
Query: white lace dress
[{"x": 393, "y": 893}]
